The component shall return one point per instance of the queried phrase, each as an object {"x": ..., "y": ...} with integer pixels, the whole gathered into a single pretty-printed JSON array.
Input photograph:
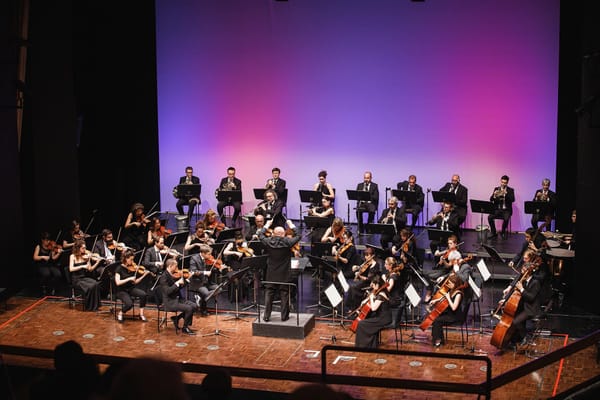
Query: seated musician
[
  {"x": 404, "y": 247},
  {"x": 379, "y": 316},
  {"x": 127, "y": 279},
  {"x": 324, "y": 187},
  {"x": 363, "y": 274},
  {"x": 453, "y": 295},
  {"x": 536, "y": 242},
  {"x": 75, "y": 233},
  {"x": 184, "y": 200},
  {"x": 201, "y": 283},
  {"x": 324, "y": 211},
  {"x": 46, "y": 257},
  {"x": 271, "y": 208},
  {"x": 547, "y": 196},
  {"x": 170, "y": 284},
  {"x": 445, "y": 220},
  {"x": 391, "y": 215},
  {"x": 370, "y": 206},
  {"x": 417, "y": 207},
  {"x": 333, "y": 233},
  {"x": 155, "y": 230},
  {"x": 135, "y": 227},
  {"x": 259, "y": 223},
  {"x": 345, "y": 254},
  {"x": 212, "y": 225},
  {"x": 534, "y": 292},
  {"x": 233, "y": 253},
  {"x": 230, "y": 182},
  {"x": 277, "y": 184},
  {"x": 448, "y": 261},
  {"x": 81, "y": 267},
  {"x": 396, "y": 279}
]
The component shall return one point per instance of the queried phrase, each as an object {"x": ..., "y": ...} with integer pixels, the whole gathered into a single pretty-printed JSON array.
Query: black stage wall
[{"x": 90, "y": 133}]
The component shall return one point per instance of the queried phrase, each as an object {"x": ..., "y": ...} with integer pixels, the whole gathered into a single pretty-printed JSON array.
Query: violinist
[
  {"x": 135, "y": 227},
  {"x": 334, "y": 233},
  {"x": 212, "y": 225},
  {"x": 404, "y": 246},
  {"x": 199, "y": 237},
  {"x": 271, "y": 207},
  {"x": 170, "y": 284},
  {"x": 201, "y": 283},
  {"x": 156, "y": 229},
  {"x": 155, "y": 256},
  {"x": 127, "y": 278},
  {"x": 547, "y": 196},
  {"x": 230, "y": 182},
  {"x": 234, "y": 252},
  {"x": 182, "y": 199},
  {"x": 75, "y": 233},
  {"x": 46, "y": 256},
  {"x": 81, "y": 268},
  {"x": 345, "y": 254},
  {"x": 107, "y": 248},
  {"x": 379, "y": 316},
  {"x": 396, "y": 279},
  {"x": 446, "y": 261},
  {"x": 363, "y": 274},
  {"x": 534, "y": 291},
  {"x": 394, "y": 216},
  {"x": 503, "y": 197}
]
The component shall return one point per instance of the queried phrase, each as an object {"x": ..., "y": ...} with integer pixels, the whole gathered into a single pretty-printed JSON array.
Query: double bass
[
  {"x": 451, "y": 285},
  {"x": 365, "y": 309},
  {"x": 504, "y": 329}
]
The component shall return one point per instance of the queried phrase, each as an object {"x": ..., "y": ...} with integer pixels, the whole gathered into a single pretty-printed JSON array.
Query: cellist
[
  {"x": 396, "y": 281},
  {"x": 531, "y": 296},
  {"x": 367, "y": 330},
  {"x": 453, "y": 296}
]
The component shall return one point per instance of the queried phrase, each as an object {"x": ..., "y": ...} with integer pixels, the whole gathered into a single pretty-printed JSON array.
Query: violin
[
  {"x": 342, "y": 249},
  {"x": 80, "y": 235},
  {"x": 164, "y": 231},
  {"x": 362, "y": 269},
  {"x": 215, "y": 227},
  {"x": 216, "y": 263},
  {"x": 245, "y": 251},
  {"x": 118, "y": 246},
  {"x": 181, "y": 273},
  {"x": 53, "y": 246}
]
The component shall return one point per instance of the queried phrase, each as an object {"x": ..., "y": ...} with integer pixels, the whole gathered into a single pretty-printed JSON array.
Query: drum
[
  {"x": 557, "y": 259},
  {"x": 552, "y": 243},
  {"x": 182, "y": 223}
]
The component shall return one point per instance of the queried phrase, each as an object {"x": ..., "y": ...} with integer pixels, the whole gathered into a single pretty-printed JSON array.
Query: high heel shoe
[
  {"x": 120, "y": 318},
  {"x": 143, "y": 318}
]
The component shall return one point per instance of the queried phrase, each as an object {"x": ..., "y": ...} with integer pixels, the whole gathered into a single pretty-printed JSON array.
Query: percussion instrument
[{"x": 557, "y": 256}]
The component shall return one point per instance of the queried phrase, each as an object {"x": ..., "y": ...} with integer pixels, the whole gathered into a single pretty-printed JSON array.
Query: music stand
[
  {"x": 310, "y": 196},
  {"x": 320, "y": 265},
  {"x": 443, "y": 197},
  {"x": 255, "y": 263},
  {"x": 215, "y": 294},
  {"x": 497, "y": 258},
  {"x": 259, "y": 193},
  {"x": 257, "y": 246},
  {"x": 439, "y": 235},
  {"x": 228, "y": 234},
  {"x": 109, "y": 273},
  {"x": 385, "y": 229},
  {"x": 232, "y": 277},
  {"x": 320, "y": 249},
  {"x": 358, "y": 195},
  {"x": 189, "y": 191},
  {"x": 380, "y": 252},
  {"x": 405, "y": 196},
  {"x": 317, "y": 222},
  {"x": 217, "y": 248},
  {"x": 537, "y": 207},
  {"x": 482, "y": 207}
]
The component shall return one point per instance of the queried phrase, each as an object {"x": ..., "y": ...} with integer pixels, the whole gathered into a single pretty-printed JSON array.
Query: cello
[
  {"x": 451, "y": 285},
  {"x": 504, "y": 329},
  {"x": 365, "y": 309}
]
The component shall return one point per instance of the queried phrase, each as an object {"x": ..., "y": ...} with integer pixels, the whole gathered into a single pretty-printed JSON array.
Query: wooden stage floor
[{"x": 46, "y": 322}]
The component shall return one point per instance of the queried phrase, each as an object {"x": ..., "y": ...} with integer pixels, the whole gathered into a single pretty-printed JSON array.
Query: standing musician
[
  {"x": 377, "y": 318},
  {"x": 531, "y": 296},
  {"x": 230, "y": 182},
  {"x": 363, "y": 274},
  {"x": 369, "y": 207},
  {"x": 503, "y": 197},
  {"x": 445, "y": 220},
  {"x": 202, "y": 280},
  {"x": 417, "y": 207},
  {"x": 396, "y": 281},
  {"x": 81, "y": 267},
  {"x": 183, "y": 199},
  {"x": 135, "y": 227},
  {"x": 461, "y": 194},
  {"x": 194, "y": 240},
  {"x": 345, "y": 254},
  {"x": 156, "y": 229},
  {"x": 127, "y": 278},
  {"x": 170, "y": 284},
  {"x": 271, "y": 208},
  {"x": 46, "y": 257},
  {"x": 392, "y": 215},
  {"x": 212, "y": 225},
  {"x": 548, "y": 196},
  {"x": 453, "y": 296},
  {"x": 324, "y": 187},
  {"x": 277, "y": 184},
  {"x": 277, "y": 247}
]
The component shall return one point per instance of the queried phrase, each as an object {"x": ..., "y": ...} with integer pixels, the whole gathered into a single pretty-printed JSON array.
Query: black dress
[
  {"x": 367, "y": 331},
  {"x": 89, "y": 286}
]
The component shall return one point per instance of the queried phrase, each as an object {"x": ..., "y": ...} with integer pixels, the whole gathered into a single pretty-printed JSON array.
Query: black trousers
[{"x": 284, "y": 295}]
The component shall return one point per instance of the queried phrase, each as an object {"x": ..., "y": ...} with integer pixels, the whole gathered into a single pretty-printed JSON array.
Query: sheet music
[
  {"x": 333, "y": 295},
  {"x": 295, "y": 263},
  {"x": 412, "y": 295},
  {"x": 344, "y": 282},
  {"x": 475, "y": 288},
  {"x": 483, "y": 270}
]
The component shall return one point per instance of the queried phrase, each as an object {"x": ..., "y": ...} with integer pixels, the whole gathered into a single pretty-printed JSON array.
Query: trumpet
[
  {"x": 541, "y": 196},
  {"x": 500, "y": 192},
  {"x": 270, "y": 184}
]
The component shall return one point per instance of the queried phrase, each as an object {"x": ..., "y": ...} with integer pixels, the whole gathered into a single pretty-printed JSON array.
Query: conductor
[{"x": 278, "y": 248}]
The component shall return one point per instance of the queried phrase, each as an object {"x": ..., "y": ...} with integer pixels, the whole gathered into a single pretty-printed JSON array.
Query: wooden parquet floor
[{"x": 45, "y": 323}]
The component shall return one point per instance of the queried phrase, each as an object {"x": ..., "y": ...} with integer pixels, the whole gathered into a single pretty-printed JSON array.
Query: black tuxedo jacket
[
  {"x": 280, "y": 255},
  {"x": 195, "y": 180},
  {"x": 373, "y": 191},
  {"x": 508, "y": 199},
  {"x": 280, "y": 189},
  {"x": 150, "y": 259},
  {"x": 460, "y": 192},
  {"x": 236, "y": 181}
]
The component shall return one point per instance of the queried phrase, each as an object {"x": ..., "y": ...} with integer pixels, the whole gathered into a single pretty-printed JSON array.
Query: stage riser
[{"x": 285, "y": 330}]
